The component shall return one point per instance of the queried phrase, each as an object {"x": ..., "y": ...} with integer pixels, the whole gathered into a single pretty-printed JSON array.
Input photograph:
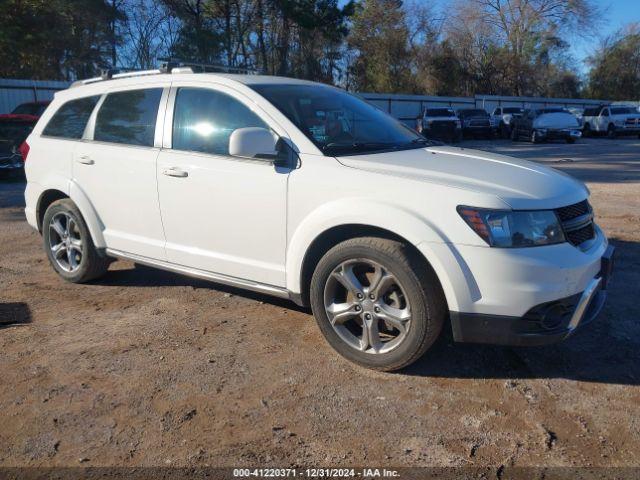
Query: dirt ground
[{"x": 147, "y": 368}]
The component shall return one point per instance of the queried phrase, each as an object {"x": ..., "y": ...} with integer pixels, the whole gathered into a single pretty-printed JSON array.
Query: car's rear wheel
[
  {"x": 376, "y": 303},
  {"x": 68, "y": 243}
]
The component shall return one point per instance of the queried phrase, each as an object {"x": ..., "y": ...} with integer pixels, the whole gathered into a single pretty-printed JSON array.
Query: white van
[{"x": 303, "y": 191}]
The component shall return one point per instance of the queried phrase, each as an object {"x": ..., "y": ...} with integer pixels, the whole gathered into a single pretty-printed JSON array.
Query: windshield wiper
[{"x": 358, "y": 146}]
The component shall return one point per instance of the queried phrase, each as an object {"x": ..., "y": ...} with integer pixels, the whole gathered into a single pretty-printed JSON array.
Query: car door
[
  {"x": 603, "y": 120},
  {"x": 221, "y": 214},
  {"x": 115, "y": 166}
]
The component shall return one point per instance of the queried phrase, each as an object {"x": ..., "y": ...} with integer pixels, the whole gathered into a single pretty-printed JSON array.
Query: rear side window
[
  {"x": 203, "y": 120},
  {"x": 71, "y": 118},
  {"x": 128, "y": 117}
]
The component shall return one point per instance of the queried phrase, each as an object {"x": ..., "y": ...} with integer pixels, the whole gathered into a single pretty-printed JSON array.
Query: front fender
[{"x": 400, "y": 221}]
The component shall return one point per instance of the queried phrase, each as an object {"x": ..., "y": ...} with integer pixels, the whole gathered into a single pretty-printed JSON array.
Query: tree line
[{"x": 504, "y": 47}]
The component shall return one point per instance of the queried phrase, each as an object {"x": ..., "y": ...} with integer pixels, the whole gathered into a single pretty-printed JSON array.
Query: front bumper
[
  {"x": 560, "y": 134},
  {"x": 547, "y": 323}
]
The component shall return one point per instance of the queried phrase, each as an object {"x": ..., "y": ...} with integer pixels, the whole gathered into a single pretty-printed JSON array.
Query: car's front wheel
[
  {"x": 611, "y": 132},
  {"x": 68, "y": 243},
  {"x": 377, "y": 303}
]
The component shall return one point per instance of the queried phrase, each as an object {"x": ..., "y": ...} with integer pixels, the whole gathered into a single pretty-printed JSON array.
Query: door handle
[
  {"x": 175, "y": 172},
  {"x": 85, "y": 160}
]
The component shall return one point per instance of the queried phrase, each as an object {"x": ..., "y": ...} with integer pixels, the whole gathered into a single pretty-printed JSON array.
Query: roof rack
[
  {"x": 110, "y": 74},
  {"x": 202, "y": 67},
  {"x": 169, "y": 65}
]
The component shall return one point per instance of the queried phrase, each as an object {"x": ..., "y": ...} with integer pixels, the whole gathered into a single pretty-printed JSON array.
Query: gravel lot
[{"x": 146, "y": 368}]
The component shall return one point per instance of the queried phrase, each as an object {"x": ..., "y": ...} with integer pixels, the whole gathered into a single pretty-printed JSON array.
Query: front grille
[
  {"x": 577, "y": 237},
  {"x": 575, "y": 231},
  {"x": 573, "y": 211},
  {"x": 479, "y": 123}
]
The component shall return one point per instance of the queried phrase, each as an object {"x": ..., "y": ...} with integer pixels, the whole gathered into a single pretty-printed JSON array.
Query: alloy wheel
[
  {"x": 65, "y": 241},
  {"x": 367, "y": 306}
]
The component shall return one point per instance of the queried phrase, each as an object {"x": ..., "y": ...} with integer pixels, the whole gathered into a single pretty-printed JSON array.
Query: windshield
[
  {"x": 30, "y": 109},
  {"x": 339, "y": 123},
  {"x": 512, "y": 110},
  {"x": 440, "y": 112},
  {"x": 473, "y": 113},
  {"x": 622, "y": 110}
]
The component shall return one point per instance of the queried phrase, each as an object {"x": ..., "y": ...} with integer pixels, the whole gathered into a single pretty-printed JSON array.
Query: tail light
[{"x": 24, "y": 151}]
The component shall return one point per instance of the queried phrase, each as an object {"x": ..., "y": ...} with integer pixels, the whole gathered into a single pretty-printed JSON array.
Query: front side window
[
  {"x": 203, "y": 120},
  {"x": 71, "y": 118},
  {"x": 128, "y": 117},
  {"x": 339, "y": 123}
]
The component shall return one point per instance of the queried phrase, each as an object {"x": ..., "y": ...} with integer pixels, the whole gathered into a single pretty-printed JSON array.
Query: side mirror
[{"x": 253, "y": 142}]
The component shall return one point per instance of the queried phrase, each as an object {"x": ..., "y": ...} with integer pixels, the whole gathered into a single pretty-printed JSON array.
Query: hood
[
  {"x": 521, "y": 184},
  {"x": 555, "y": 120}
]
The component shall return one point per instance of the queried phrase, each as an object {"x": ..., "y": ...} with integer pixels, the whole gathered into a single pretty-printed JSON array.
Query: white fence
[{"x": 408, "y": 107}]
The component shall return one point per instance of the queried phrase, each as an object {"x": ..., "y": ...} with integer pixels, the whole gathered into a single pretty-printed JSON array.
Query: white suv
[
  {"x": 613, "y": 120},
  {"x": 303, "y": 191}
]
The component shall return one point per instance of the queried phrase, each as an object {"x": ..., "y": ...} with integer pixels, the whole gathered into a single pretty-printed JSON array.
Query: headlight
[{"x": 504, "y": 228}]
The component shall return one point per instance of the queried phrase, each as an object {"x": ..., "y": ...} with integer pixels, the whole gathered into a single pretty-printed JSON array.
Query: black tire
[
  {"x": 570, "y": 140},
  {"x": 611, "y": 132},
  {"x": 504, "y": 131},
  {"x": 586, "y": 130},
  {"x": 418, "y": 281},
  {"x": 91, "y": 265}
]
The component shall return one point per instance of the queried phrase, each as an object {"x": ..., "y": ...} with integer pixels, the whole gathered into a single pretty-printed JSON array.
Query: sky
[{"x": 617, "y": 14}]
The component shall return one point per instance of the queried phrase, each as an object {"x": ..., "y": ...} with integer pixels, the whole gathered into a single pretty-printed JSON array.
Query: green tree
[
  {"x": 380, "y": 38},
  {"x": 54, "y": 39},
  {"x": 615, "y": 68}
]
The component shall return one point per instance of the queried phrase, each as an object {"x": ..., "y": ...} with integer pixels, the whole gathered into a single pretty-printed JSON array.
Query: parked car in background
[
  {"x": 14, "y": 129},
  {"x": 612, "y": 120},
  {"x": 441, "y": 124},
  {"x": 475, "y": 122},
  {"x": 31, "y": 108},
  {"x": 546, "y": 124},
  {"x": 502, "y": 118}
]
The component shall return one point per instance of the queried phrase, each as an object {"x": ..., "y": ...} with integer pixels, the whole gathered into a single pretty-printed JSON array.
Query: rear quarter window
[
  {"x": 128, "y": 117},
  {"x": 71, "y": 118}
]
